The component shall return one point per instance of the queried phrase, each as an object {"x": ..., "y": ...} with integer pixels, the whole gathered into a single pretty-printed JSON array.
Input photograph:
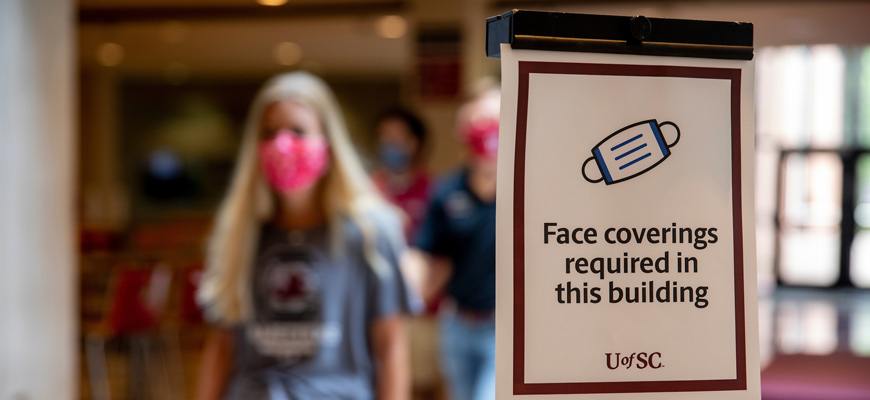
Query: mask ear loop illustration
[
  {"x": 675, "y": 127},
  {"x": 583, "y": 171}
]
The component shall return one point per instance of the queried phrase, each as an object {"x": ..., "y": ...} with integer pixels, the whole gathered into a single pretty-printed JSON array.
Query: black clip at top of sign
[{"x": 539, "y": 30}]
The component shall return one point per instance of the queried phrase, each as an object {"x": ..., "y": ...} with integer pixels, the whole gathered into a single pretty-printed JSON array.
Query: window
[{"x": 813, "y": 182}]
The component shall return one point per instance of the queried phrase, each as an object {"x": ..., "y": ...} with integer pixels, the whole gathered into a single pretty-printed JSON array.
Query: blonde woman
[{"x": 302, "y": 276}]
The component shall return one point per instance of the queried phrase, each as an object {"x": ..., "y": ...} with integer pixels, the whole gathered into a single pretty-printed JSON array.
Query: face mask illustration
[{"x": 629, "y": 152}]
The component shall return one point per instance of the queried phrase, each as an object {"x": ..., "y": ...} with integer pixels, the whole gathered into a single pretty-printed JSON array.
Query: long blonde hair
[{"x": 225, "y": 291}]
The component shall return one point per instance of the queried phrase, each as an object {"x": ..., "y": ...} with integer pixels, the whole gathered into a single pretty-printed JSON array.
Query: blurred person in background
[
  {"x": 403, "y": 179},
  {"x": 302, "y": 278},
  {"x": 458, "y": 237},
  {"x": 401, "y": 176}
]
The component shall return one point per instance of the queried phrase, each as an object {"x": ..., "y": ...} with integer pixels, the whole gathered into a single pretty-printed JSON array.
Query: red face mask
[
  {"x": 481, "y": 137},
  {"x": 292, "y": 163}
]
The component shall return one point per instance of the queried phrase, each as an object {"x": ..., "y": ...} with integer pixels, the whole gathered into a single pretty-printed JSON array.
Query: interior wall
[{"x": 105, "y": 202}]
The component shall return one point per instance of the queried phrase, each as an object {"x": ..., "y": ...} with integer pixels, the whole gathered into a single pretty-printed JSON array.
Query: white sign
[{"x": 625, "y": 247}]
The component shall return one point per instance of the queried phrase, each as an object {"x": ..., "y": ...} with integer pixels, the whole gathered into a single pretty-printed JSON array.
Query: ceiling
[
  {"x": 336, "y": 45},
  {"x": 115, "y": 4},
  {"x": 220, "y": 37},
  {"x": 340, "y": 37}
]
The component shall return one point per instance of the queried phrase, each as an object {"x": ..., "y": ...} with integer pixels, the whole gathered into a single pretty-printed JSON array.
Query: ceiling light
[
  {"x": 272, "y": 2},
  {"x": 110, "y": 54},
  {"x": 391, "y": 27},
  {"x": 287, "y": 53}
]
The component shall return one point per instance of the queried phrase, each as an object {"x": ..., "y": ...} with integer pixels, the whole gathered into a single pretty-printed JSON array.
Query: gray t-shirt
[{"x": 313, "y": 309}]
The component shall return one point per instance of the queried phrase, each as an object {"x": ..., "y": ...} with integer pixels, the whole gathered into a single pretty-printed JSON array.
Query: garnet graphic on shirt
[
  {"x": 290, "y": 288},
  {"x": 289, "y": 326}
]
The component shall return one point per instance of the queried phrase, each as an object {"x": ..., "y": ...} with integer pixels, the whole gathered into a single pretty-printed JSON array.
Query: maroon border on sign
[{"x": 519, "y": 386}]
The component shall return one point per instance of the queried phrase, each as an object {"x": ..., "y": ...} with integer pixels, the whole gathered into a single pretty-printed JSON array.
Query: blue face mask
[
  {"x": 630, "y": 151},
  {"x": 394, "y": 157}
]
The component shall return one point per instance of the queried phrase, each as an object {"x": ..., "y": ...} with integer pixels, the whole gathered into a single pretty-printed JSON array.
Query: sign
[{"x": 625, "y": 247}]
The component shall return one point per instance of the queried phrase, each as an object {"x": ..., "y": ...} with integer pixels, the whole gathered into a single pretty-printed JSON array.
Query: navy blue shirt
[{"x": 461, "y": 227}]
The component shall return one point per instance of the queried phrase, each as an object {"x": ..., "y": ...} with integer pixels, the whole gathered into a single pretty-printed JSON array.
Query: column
[{"x": 37, "y": 175}]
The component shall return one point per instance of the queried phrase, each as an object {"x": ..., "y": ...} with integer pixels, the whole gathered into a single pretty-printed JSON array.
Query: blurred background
[{"x": 121, "y": 119}]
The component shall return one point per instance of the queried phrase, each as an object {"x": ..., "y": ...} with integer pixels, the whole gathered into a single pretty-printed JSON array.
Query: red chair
[
  {"x": 136, "y": 300},
  {"x": 191, "y": 313}
]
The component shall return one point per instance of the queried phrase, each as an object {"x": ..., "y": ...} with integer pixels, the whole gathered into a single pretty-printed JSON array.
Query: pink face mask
[
  {"x": 482, "y": 138},
  {"x": 292, "y": 163}
]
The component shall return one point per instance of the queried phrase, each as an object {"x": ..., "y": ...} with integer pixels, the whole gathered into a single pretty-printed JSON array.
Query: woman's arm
[
  {"x": 217, "y": 359},
  {"x": 392, "y": 355}
]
